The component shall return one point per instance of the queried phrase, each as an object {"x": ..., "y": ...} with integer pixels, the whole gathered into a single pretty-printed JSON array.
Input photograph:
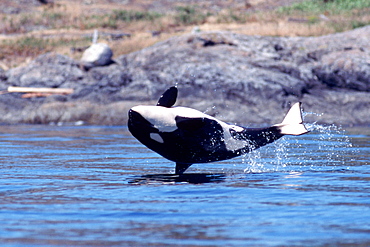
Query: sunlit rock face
[{"x": 236, "y": 78}]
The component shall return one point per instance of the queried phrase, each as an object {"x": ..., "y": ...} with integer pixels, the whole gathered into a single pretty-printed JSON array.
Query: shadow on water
[{"x": 191, "y": 178}]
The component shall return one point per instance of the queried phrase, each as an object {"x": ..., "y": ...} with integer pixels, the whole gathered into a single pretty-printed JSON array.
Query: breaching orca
[{"x": 187, "y": 136}]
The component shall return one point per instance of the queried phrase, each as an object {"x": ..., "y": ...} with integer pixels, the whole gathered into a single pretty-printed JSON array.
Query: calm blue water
[{"x": 97, "y": 186}]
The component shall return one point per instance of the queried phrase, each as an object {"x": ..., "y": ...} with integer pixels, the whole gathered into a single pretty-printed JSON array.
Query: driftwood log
[{"x": 30, "y": 92}]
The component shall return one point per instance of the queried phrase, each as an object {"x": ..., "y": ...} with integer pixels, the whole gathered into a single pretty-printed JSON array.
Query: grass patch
[
  {"x": 26, "y": 46},
  {"x": 339, "y": 15},
  {"x": 96, "y": 21},
  {"x": 190, "y": 15},
  {"x": 131, "y": 16},
  {"x": 320, "y": 6},
  {"x": 232, "y": 16},
  {"x": 358, "y": 24},
  {"x": 299, "y": 19},
  {"x": 31, "y": 46}
]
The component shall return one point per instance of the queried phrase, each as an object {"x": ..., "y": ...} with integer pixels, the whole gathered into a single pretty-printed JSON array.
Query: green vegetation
[
  {"x": 231, "y": 16},
  {"x": 32, "y": 46},
  {"x": 190, "y": 15},
  {"x": 354, "y": 13},
  {"x": 342, "y": 14},
  {"x": 357, "y": 24},
  {"x": 113, "y": 19},
  {"x": 25, "y": 46},
  {"x": 328, "y": 6},
  {"x": 97, "y": 21},
  {"x": 131, "y": 16},
  {"x": 306, "y": 18}
]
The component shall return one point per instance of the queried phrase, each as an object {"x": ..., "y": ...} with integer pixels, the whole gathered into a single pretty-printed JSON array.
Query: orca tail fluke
[{"x": 293, "y": 123}]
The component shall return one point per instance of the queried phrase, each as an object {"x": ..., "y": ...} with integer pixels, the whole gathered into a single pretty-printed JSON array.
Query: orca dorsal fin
[{"x": 168, "y": 98}]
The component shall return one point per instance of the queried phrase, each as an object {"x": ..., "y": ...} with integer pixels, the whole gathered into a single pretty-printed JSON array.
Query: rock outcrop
[
  {"x": 98, "y": 54},
  {"x": 238, "y": 78}
]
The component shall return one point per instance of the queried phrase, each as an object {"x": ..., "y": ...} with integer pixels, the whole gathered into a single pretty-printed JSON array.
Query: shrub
[
  {"x": 188, "y": 15},
  {"x": 320, "y": 6},
  {"x": 130, "y": 15}
]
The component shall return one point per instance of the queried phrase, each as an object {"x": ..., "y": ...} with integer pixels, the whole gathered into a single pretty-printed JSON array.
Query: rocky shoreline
[{"x": 243, "y": 79}]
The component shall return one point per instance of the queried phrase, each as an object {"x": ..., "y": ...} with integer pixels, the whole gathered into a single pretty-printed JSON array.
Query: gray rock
[
  {"x": 98, "y": 54},
  {"x": 48, "y": 70},
  {"x": 345, "y": 69},
  {"x": 238, "y": 78}
]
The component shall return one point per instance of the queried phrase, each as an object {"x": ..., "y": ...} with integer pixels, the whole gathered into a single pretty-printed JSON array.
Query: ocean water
[{"x": 98, "y": 186}]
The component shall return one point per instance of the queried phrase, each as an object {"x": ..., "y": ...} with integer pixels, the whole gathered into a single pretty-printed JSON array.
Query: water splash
[
  {"x": 330, "y": 149},
  {"x": 211, "y": 110},
  {"x": 254, "y": 162},
  {"x": 334, "y": 142}
]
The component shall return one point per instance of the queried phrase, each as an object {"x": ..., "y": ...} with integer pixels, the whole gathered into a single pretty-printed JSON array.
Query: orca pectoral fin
[
  {"x": 181, "y": 167},
  {"x": 168, "y": 98}
]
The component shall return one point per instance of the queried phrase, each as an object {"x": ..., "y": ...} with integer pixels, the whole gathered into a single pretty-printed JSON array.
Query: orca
[{"x": 187, "y": 136}]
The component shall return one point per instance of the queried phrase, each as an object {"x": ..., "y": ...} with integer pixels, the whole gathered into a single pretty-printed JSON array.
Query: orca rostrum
[{"x": 187, "y": 136}]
